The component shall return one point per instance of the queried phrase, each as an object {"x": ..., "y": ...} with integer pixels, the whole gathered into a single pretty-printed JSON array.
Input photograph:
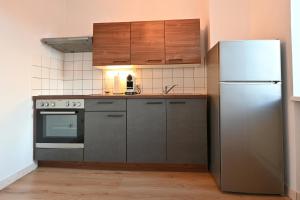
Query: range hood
[{"x": 70, "y": 44}]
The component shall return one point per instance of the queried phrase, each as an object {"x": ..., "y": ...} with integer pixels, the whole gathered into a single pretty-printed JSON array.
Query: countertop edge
[{"x": 172, "y": 96}]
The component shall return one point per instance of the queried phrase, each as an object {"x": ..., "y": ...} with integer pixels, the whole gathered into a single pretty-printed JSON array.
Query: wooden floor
[{"x": 78, "y": 184}]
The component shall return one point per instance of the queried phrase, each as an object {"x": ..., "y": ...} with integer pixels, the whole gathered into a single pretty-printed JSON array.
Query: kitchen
[{"x": 142, "y": 135}]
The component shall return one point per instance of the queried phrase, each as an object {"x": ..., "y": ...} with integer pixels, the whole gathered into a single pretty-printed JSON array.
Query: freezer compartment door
[
  {"x": 250, "y": 60},
  {"x": 251, "y": 138}
]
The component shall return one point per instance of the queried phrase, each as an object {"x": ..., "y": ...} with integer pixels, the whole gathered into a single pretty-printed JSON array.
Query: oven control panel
[{"x": 59, "y": 104}]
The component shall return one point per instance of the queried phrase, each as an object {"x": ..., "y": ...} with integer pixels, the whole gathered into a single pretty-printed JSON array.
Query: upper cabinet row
[{"x": 142, "y": 43}]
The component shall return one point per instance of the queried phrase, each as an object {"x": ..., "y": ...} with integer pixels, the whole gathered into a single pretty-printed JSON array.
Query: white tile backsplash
[
  {"x": 78, "y": 75},
  {"x": 147, "y": 83},
  {"x": 69, "y": 57},
  {"x": 188, "y": 72},
  {"x": 47, "y": 74},
  {"x": 178, "y": 82},
  {"x": 188, "y": 83},
  {"x": 68, "y": 75},
  {"x": 36, "y": 71},
  {"x": 77, "y": 84},
  {"x": 78, "y": 57},
  {"x": 178, "y": 73},
  {"x": 97, "y": 84},
  {"x": 87, "y": 84},
  {"x": 147, "y": 73},
  {"x": 157, "y": 83},
  {"x": 87, "y": 75},
  {"x": 157, "y": 73},
  {"x": 68, "y": 65},
  {"x": 68, "y": 85},
  {"x": 88, "y": 56},
  {"x": 73, "y": 73},
  {"x": 167, "y": 73}
]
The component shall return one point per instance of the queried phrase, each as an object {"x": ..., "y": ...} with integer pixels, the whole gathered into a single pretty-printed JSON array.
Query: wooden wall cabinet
[
  {"x": 182, "y": 41},
  {"x": 148, "y": 42},
  {"x": 142, "y": 43},
  {"x": 111, "y": 44}
]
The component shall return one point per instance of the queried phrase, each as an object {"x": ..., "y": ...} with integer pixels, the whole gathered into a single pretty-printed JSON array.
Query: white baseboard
[
  {"x": 292, "y": 194},
  {"x": 11, "y": 179}
]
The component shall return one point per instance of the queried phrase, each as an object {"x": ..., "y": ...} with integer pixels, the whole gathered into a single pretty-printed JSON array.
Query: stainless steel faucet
[{"x": 167, "y": 89}]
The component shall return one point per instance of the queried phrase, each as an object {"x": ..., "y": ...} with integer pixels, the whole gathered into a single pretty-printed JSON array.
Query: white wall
[
  {"x": 22, "y": 24},
  {"x": 296, "y": 82},
  {"x": 81, "y": 14},
  {"x": 229, "y": 20},
  {"x": 296, "y": 44}
]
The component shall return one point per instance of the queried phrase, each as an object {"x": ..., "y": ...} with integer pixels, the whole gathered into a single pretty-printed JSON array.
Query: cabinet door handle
[
  {"x": 120, "y": 61},
  {"x": 154, "y": 103},
  {"x": 115, "y": 115},
  {"x": 177, "y": 102},
  {"x": 104, "y": 102},
  {"x": 154, "y": 61},
  {"x": 176, "y": 60}
]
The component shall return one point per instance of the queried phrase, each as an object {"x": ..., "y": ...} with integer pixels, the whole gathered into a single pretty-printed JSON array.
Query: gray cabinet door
[
  {"x": 186, "y": 131},
  {"x": 105, "y": 136},
  {"x": 146, "y": 131}
]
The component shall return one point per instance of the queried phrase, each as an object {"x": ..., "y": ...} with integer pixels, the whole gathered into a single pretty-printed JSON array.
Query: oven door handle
[{"x": 57, "y": 113}]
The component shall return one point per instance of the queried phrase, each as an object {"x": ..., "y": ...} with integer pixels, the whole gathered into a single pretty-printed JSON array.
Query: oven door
[{"x": 61, "y": 128}]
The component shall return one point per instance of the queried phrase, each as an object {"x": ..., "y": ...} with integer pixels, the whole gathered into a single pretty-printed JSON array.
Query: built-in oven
[{"x": 59, "y": 123}]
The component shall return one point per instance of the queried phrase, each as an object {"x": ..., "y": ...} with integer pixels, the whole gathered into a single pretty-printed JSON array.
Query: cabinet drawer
[
  {"x": 59, "y": 154},
  {"x": 105, "y": 105}
]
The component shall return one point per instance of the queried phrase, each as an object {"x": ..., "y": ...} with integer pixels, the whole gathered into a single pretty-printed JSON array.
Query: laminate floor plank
[{"x": 79, "y": 184}]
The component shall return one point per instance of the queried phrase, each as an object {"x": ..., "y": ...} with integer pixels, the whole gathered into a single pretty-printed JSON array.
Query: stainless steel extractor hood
[{"x": 70, "y": 44}]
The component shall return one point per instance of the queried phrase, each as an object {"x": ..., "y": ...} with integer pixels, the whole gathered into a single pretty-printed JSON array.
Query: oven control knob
[
  {"x": 42, "y": 104},
  {"x": 67, "y": 104},
  {"x": 74, "y": 104},
  {"x": 78, "y": 104},
  {"x": 46, "y": 104},
  {"x": 52, "y": 104}
]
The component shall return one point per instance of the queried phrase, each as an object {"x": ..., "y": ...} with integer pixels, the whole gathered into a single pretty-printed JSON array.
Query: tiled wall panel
[
  {"x": 47, "y": 75},
  {"x": 73, "y": 74}
]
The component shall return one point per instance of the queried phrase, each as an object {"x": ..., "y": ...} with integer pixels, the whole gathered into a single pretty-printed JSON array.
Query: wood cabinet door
[
  {"x": 111, "y": 44},
  {"x": 182, "y": 41},
  {"x": 148, "y": 42}
]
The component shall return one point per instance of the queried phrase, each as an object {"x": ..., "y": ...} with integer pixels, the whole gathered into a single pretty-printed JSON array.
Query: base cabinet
[
  {"x": 140, "y": 131},
  {"x": 146, "y": 131},
  {"x": 105, "y": 136},
  {"x": 186, "y": 131}
]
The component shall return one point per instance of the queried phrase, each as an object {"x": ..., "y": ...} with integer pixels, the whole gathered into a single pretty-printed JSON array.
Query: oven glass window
[{"x": 60, "y": 126}]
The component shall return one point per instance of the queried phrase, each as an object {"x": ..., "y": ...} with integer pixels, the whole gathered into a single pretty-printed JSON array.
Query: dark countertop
[{"x": 139, "y": 96}]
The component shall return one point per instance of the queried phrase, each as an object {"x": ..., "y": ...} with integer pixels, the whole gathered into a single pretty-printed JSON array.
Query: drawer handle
[
  {"x": 177, "y": 102},
  {"x": 176, "y": 60},
  {"x": 154, "y": 61},
  {"x": 154, "y": 103},
  {"x": 120, "y": 61},
  {"x": 104, "y": 102},
  {"x": 115, "y": 115}
]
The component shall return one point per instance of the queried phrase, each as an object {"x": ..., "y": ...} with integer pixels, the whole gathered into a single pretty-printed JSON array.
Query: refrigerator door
[
  {"x": 250, "y": 60},
  {"x": 251, "y": 138}
]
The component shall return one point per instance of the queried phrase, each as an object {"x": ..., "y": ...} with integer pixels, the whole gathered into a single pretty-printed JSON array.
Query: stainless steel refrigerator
[{"x": 245, "y": 116}]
